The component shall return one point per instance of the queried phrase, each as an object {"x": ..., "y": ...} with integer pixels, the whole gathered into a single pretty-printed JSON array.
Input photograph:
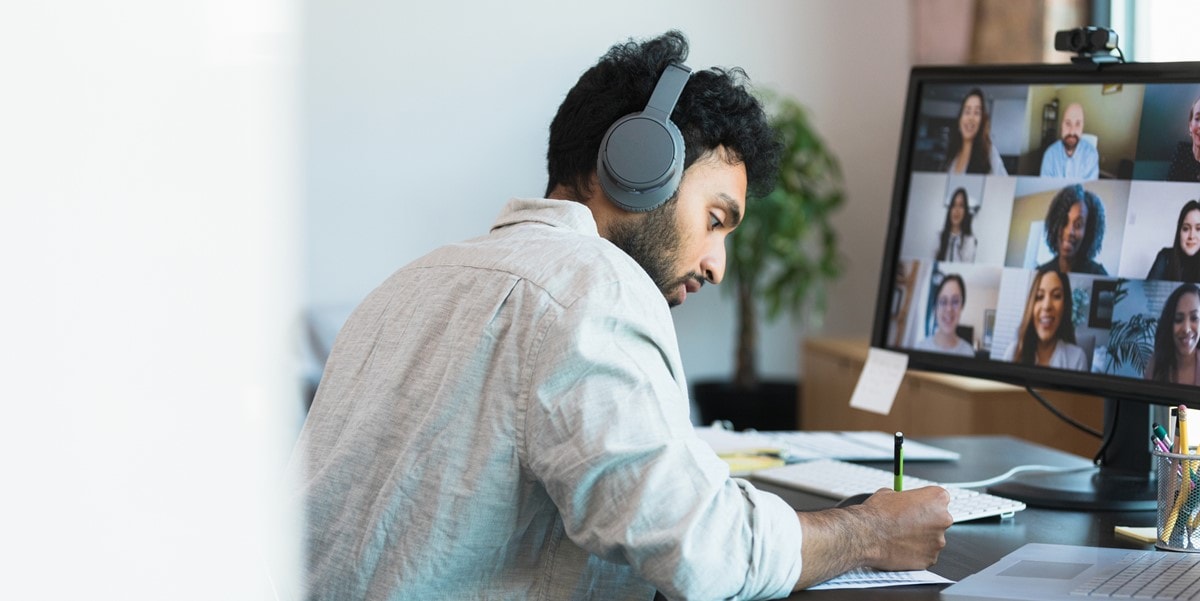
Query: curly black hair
[
  {"x": 1056, "y": 220},
  {"x": 714, "y": 109}
]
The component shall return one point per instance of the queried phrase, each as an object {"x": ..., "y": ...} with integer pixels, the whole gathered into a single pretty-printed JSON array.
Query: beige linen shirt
[{"x": 507, "y": 418}]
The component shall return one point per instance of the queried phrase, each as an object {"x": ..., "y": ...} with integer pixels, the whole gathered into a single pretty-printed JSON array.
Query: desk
[
  {"x": 935, "y": 404},
  {"x": 972, "y": 546}
]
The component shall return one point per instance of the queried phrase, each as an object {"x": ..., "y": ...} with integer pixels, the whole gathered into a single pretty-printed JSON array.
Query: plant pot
[{"x": 770, "y": 406}]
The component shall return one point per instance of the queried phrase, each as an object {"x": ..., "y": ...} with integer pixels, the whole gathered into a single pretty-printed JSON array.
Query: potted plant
[{"x": 782, "y": 255}]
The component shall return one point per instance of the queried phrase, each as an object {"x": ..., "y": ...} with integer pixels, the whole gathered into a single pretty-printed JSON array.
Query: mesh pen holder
[{"x": 1178, "y": 520}]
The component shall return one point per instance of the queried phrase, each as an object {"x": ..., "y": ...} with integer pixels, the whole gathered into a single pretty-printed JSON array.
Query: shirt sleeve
[
  {"x": 1093, "y": 163},
  {"x": 1048, "y": 161},
  {"x": 609, "y": 437}
]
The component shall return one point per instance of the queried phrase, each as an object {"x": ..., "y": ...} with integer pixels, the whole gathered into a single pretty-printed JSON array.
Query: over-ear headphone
[{"x": 641, "y": 157}]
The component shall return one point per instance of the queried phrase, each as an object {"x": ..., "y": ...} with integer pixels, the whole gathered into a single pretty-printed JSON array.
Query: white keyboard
[
  {"x": 1146, "y": 575},
  {"x": 839, "y": 479}
]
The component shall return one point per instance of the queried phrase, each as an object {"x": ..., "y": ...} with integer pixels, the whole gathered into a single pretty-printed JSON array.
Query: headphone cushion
[{"x": 640, "y": 162}]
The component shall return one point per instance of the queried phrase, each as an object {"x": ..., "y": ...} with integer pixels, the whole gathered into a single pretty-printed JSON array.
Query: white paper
[
  {"x": 727, "y": 441},
  {"x": 880, "y": 381},
  {"x": 868, "y": 578}
]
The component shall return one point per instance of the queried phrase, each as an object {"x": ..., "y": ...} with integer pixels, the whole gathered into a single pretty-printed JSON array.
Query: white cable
[{"x": 1014, "y": 471}]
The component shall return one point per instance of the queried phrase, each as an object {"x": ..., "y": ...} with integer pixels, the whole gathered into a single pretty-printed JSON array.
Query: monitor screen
[{"x": 1045, "y": 229}]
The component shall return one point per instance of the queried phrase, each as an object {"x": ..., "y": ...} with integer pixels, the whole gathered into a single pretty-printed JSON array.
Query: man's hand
[{"x": 889, "y": 531}]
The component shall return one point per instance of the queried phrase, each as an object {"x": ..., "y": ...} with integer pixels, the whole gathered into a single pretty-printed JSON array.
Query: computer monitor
[{"x": 1046, "y": 212}]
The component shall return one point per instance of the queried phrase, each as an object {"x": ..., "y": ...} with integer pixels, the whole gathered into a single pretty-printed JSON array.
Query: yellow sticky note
[{"x": 1145, "y": 534}]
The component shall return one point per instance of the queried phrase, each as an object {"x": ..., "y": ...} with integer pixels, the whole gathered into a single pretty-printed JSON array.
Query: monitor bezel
[{"x": 1103, "y": 385}]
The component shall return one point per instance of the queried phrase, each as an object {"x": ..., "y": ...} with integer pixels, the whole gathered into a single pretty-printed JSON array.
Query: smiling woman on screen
[
  {"x": 1181, "y": 262},
  {"x": 971, "y": 149},
  {"x": 1175, "y": 359},
  {"x": 1047, "y": 336},
  {"x": 949, "y": 298}
]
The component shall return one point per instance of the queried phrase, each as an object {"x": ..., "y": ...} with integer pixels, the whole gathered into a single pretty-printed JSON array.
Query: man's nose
[{"x": 713, "y": 263}]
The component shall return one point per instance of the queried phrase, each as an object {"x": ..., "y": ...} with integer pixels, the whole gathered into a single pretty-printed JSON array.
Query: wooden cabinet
[{"x": 932, "y": 404}]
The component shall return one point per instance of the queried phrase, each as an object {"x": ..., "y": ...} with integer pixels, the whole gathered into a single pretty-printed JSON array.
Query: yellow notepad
[
  {"x": 1145, "y": 534},
  {"x": 744, "y": 463}
]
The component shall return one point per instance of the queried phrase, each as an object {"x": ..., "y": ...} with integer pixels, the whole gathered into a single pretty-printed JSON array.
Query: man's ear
[{"x": 604, "y": 210}]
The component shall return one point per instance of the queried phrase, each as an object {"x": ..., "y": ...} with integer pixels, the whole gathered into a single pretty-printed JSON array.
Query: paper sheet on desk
[
  {"x": 879, "y": 381},
  {"x": 868, "y": 578},
  {"x": 727, "y": 441}
]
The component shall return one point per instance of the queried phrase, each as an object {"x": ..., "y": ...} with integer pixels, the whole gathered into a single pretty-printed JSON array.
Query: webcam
[
  {"x": 1085, "y": 39},
  {"x": 1090, "y": 44}
]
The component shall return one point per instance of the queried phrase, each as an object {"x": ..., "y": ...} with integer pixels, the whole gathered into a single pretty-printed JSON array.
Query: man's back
[
  {"x": 415, "y": 465},
  {"x": 501, "y": 405}
]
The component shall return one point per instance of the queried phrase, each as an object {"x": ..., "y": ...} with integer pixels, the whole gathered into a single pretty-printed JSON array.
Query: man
[
  {"x": 507, "y": 417},
  {"x": 1071, "y": 156}
]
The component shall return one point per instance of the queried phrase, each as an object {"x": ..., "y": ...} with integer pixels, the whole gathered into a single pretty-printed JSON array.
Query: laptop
[{"x": 1043, "y": 572}]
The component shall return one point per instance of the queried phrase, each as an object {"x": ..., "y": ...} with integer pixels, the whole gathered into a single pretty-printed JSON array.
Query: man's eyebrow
[{"x": 731, "y": 207}]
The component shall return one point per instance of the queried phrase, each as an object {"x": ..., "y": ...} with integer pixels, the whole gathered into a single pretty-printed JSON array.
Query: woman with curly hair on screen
[{"x": 1075, "y": 231}]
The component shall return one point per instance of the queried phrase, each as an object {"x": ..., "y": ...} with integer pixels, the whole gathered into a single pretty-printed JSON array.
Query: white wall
[
  {"x": 148, "y": 246},
  {"x": 421, "y": 120}
]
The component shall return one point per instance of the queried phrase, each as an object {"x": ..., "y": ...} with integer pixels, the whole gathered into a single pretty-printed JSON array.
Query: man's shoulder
[{"x": 563, "y": 262}]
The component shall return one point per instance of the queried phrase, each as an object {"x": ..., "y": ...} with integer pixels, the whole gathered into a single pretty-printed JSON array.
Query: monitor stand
[{"x": 1124, "y": 481}]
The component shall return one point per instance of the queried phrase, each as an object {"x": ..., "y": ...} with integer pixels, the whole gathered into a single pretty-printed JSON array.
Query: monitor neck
[{"x": 1124, "y": 480}]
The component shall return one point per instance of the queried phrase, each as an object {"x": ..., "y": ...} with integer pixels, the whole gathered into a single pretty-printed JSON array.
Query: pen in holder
[{"x": 1178, "y": 520}]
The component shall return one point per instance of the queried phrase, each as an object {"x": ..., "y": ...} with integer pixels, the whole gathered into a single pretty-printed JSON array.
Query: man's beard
[
  {"x": 653, "y": 242},
  {"x": 1070, "y": 142}
]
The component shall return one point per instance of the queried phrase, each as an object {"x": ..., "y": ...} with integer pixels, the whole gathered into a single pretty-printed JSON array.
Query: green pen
[{"x": 898, "y": 463}]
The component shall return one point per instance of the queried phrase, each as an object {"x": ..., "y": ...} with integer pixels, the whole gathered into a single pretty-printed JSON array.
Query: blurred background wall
[
  {"x": 420, "y": 121},
  {"x": 185, "y": 183}
]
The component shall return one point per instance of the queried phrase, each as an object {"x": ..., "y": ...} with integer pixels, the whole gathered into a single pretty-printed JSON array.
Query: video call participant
[
  {"x": 1071, "y": 156},
  {"x": 507, "y": 417},
  {"x": 1185, "y": 164},
  {"x": 1180, "y": 262},
  {"x": 1046, "y": 336},
  {"x": 1175, "y": 359},
  {"x": 1074, "y": 231},
  {"x": 948, "y": 299},
  {"x": 956, "y": 243},
  {"x": 971, "y": 149}
]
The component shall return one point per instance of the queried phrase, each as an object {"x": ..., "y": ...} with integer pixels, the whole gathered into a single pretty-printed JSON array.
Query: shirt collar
[{"x": 557, "y": 213}]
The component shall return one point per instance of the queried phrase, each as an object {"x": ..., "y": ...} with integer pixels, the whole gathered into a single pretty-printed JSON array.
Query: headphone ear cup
[{"x": 640, "y": 163}]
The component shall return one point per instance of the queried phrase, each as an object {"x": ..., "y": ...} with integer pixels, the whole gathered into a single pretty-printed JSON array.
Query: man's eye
[{"x": 714, "y": 222}]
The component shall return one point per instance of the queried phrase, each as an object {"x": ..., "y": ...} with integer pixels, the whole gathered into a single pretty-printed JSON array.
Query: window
[{"x": 1154, "y": 30}]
